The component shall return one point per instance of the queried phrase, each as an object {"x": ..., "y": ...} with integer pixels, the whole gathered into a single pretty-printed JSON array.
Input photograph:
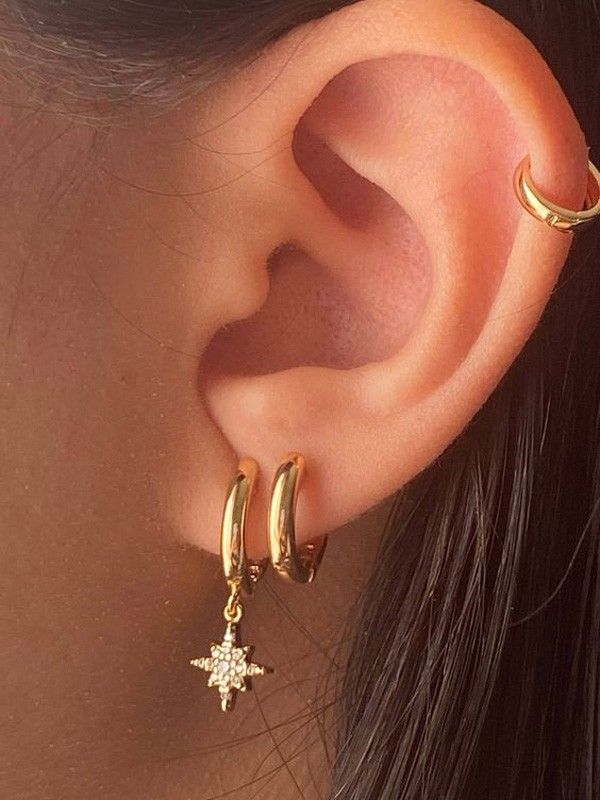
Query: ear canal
[
  {"x": 357, "y": 306},
  {"x": 410, "y": 159}
]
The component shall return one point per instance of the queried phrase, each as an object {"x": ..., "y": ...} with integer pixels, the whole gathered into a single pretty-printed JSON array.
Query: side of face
[{"x": 321, "y": 253}]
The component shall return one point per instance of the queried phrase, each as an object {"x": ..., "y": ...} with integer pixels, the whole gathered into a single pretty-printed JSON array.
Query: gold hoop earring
[
  {"x": 229, "y": 665},
  {"x": 241, "y": 574},
  {"x": 299, "y": 565},
  {"x": 557, "y": 217}
]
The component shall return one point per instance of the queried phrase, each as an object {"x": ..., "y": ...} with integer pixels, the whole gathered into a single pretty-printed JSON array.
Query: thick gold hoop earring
[
  {"x": 292, "y": 563},
  {"x": 229, "y": 665},
  {"x": 241, "y": 574},
  {"x": 557, "y": 217}
]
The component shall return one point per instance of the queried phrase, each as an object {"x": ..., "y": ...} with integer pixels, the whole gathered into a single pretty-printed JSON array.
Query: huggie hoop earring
[
  {"x": 240, "y": 573},
  {"x": 557, "y": 217},
  {"x": 299, "y": 565},
  {"x": 229, "y": 665}
]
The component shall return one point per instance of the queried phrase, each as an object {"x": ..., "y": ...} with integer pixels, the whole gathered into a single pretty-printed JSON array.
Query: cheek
[
  {"x": 110, "y": 451},
  {"x": 97, "y": 423},
  {"x": 145, "y": 286}
]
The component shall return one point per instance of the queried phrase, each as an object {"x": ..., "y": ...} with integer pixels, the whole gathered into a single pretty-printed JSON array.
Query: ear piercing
[
  {"x": 562, "y": 219},
  {"x": 230, "y": 664}
]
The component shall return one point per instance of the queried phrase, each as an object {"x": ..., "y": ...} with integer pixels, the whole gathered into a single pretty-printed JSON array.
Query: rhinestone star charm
[{"x": 230, "y": 667}]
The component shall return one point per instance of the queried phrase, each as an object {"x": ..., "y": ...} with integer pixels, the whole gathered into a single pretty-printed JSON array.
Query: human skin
[{"x": 129, "y": 245}]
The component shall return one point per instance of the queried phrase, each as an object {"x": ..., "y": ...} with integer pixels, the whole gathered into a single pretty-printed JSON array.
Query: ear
[{"x": 400, "y": 277}]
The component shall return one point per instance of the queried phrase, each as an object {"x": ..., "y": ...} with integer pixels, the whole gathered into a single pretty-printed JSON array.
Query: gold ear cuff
[{"x": 562, "y": 219}]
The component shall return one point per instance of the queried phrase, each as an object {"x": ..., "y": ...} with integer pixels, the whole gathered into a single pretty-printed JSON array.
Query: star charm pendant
[{"x": 230, "y": 667}]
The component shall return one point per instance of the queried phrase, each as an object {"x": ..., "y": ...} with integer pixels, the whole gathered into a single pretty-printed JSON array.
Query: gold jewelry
[
  {"x": 229, "y": 664},
  {"x": 294, "y": 564},
  {"x": 562, "y": 219}
]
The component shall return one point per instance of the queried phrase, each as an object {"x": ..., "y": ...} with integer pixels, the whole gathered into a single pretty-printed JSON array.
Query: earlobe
[{"x": 408, "y": 277}]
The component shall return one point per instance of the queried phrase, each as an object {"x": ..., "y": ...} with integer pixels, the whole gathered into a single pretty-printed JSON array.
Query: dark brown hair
[
  {"x": 478, "y": 667},
  {"x": 478, "y": 674},
  {"x": 142, "y": 50}
]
